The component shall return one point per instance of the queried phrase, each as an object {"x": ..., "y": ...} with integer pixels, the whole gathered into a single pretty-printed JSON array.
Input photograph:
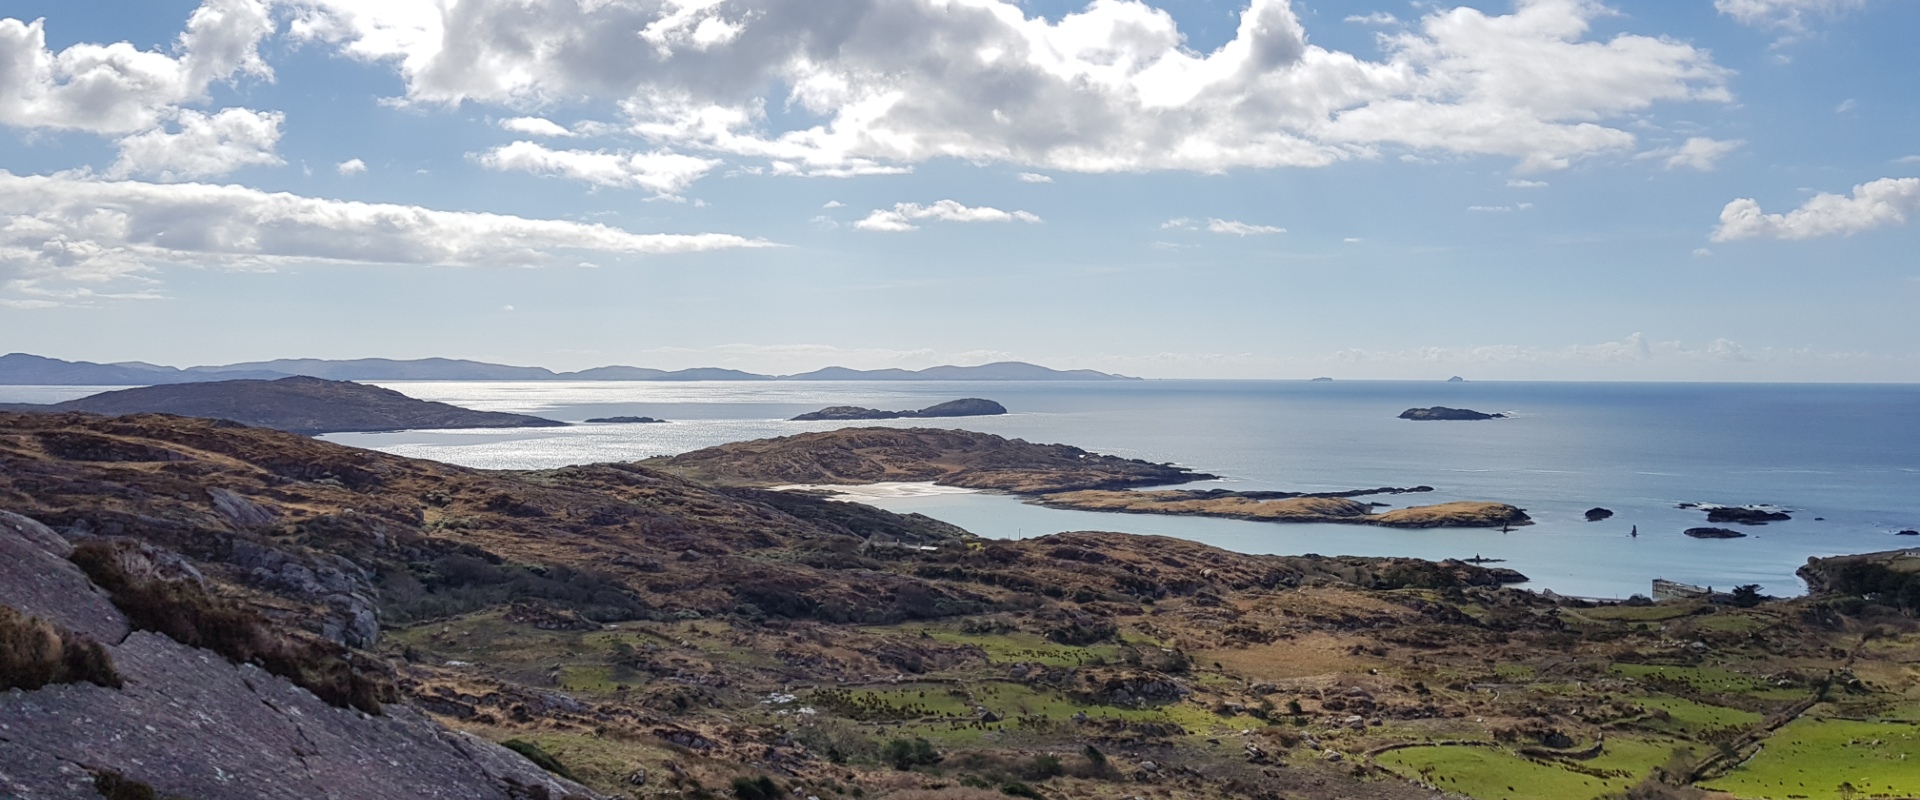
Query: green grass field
[
  {"x": 1838, "y": 759},
  {"x": 1692, "y": 717},
  {"x": 1487, "y": 773}
]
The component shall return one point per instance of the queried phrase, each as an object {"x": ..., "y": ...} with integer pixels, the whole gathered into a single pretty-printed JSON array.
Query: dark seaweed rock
[
  {"x": 1714, "y": 533},
  {"x": 1908, "y": 532},
  {"x": 1444, "y": 413},
  {"x": 625, "y": 419},
  {"x": 1596, "y": 514},
  {"x": 1745, "y": 516}
]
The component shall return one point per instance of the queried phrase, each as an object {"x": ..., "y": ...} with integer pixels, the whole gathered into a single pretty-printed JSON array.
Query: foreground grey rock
[{"x": 189, "y": 723}]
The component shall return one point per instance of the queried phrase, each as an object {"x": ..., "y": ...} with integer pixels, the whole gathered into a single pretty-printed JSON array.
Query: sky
[{"x": 1528, "y": 190}]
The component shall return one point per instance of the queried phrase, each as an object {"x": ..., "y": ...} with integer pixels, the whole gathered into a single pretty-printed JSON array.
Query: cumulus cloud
[
  {"x": 1237, "y": 228},
  {"x": 1112, "y": 87},
  {"x": 535, "y": 126},
  {"x": 665, "y": 173},
  {"x": 1375, "y": 18},
  {"x": 1788, "y": 14},
  {"x": 118, "y": 89},
  {"x": 58, "y": 232},
  {"x": 1034, "y": 177},
  {"x": 351, "y": 166},
  {"x": 204, "y": 146},
  {"x": 1522, "y": 184},
  {"x": 1696, "y": 153},
  {"x": 902, "y": 216},
  {"x": 1501, "y": 209},
  {"x": 1874, "y": 204}
]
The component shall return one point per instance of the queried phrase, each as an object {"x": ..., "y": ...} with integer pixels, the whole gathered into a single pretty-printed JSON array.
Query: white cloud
[
  {"x": 1875, "y": 204},
  {"x": 1788, "y": 14},
  {"x": 1846, "y": 105},
  {"x": 117, "y": 89},
  {"x": 203, "y": 147},
  {"x": 1501, "y": 209},
  {"x": 351, "y": 166},
  {"x": 1179, "y": 224},
  {"x": 1352, "y": 240},
  {"x": 1520, "y": 184},
  {"x": 535, "y": 126},
  {"x": 665, "y": 173},
  {"x": 1697, "y": 153},
  {"x": 1112, "y": 87},
  {"x": 1907, "y": 160},
  {"x": 902, "y": 216},
  {"x": 1034, "y": 177},
  {"x": 60, "y": 235},
  {"x": 834, "y": 204},
  {"x": 1237, "y": 228},
  {"x": 1375, "y": 18}
]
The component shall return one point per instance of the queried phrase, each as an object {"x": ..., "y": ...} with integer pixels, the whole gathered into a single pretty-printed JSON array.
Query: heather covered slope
[
  {"x": 296, "y": 404},
  {"x": 659, "y": 637}
]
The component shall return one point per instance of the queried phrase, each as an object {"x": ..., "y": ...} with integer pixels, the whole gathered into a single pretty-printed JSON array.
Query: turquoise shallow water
[{"x": 1850, "y": 454}]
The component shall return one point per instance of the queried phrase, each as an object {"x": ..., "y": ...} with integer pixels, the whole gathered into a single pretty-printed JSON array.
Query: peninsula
[{"x": 302, "y": 405}]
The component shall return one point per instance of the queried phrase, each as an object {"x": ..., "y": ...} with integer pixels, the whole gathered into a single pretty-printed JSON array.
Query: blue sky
[{"x": 1550, "y": 189}]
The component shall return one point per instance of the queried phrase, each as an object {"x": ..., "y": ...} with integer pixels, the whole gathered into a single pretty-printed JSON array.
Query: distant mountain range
[{"x": 25, "y": 369}]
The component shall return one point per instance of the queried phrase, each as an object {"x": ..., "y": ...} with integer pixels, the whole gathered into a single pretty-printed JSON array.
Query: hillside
[
  {"x": 658, "y": 637},
  {"x": 296, "y": 404}
]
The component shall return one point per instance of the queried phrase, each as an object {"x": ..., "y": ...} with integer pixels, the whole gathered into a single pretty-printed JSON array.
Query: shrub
[
  {"x": 761, "y": 788},
  {"x": 1018, "y": 789},
  {"x": 34, "y": 653},
  {"x": 187, "y": 614},
  {"x": 905, "y": 754},
  {"x": 115, "y": 786},
  {"x": 539, "y": 757}
]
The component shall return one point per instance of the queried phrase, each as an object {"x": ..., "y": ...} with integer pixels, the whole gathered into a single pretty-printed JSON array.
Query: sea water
[{"x": 1846, "y": 454}]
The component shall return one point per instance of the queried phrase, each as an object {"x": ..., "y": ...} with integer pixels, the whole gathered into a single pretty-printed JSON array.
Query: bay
[{"x": 1849, "y": 454}]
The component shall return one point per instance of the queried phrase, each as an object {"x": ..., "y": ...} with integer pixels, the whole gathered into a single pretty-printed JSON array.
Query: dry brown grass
[
  {"x": 34, "y": 653},
  {"x": 187, "y": 614}
]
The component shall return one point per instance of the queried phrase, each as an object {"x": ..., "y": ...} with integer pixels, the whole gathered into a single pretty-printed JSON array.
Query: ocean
[{"x": 1843, "y": 459}]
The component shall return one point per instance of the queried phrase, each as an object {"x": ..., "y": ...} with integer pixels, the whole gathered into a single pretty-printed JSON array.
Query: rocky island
[
  {"x": 966, "y": 459},
  {"x": 1445, "y": 413},
  {"x": 968, "y": 407},
  {"x": 625, "y": 420},
  {"x": 298, "y": 404},
  {"x": 1714, "y": 533},
  {"x": 1745, "y": 515}
]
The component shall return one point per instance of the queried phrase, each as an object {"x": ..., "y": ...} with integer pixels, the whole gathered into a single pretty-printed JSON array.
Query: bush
[
  {"x": 115, "y": 786},
  {"x": 187, "y": 614},
  {"x": 34, "y": 653},
  {"x": 540, "y": 758},
  {"x": 761, "y": 788},
  {"x": 1018, "y": 789},
  {"x": 906, "y": 754}
]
